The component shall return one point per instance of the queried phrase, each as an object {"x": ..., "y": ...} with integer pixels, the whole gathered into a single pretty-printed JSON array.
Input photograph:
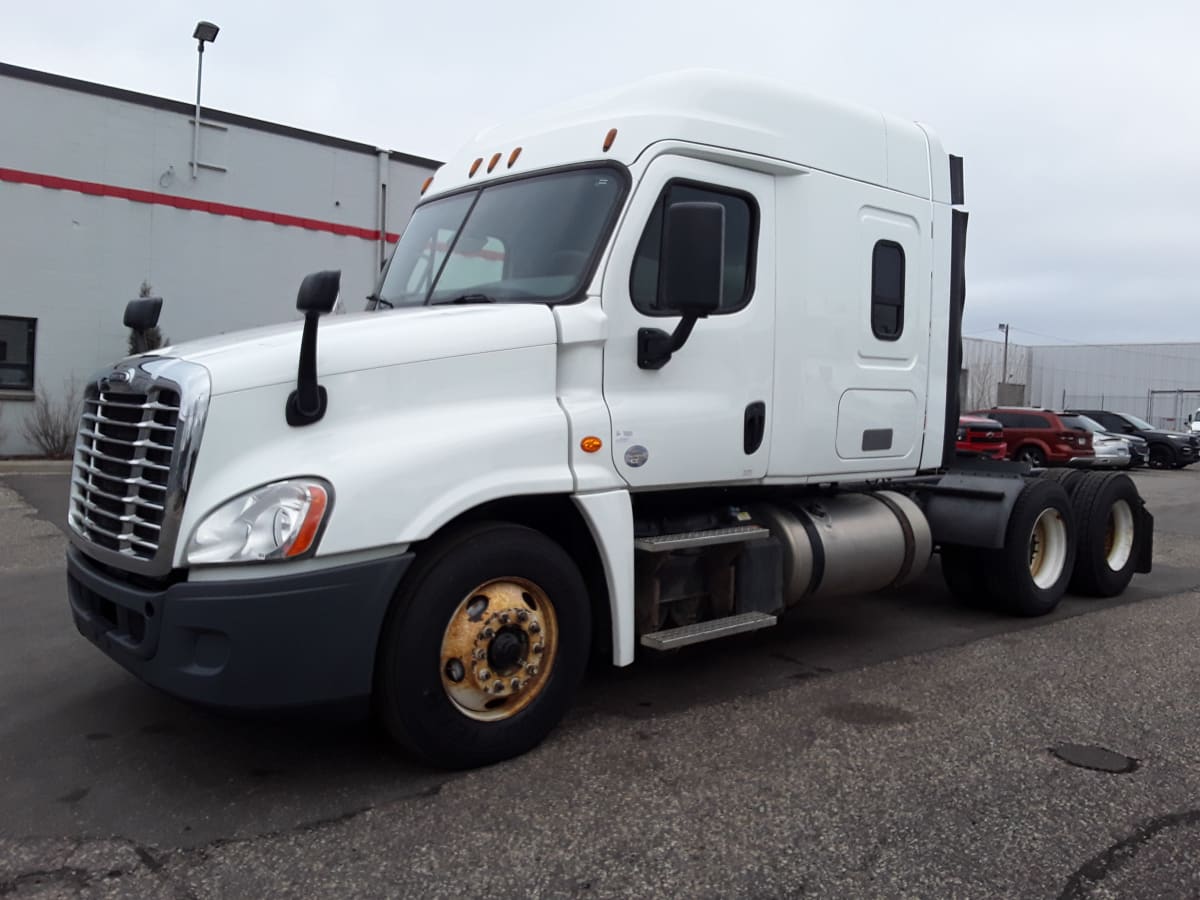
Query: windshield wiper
[
  {"x": 379, "y": 301},
  {"x": 466, "y": 298}
]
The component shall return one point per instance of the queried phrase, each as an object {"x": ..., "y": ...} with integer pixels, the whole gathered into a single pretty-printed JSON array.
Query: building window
[
  {"x": 887, "y": 290},
  {"x": 741, "y": 234},
  {"x": 18, "y": 338}
]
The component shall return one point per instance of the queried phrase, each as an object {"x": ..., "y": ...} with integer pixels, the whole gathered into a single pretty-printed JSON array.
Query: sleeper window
[{"x": 887, "y": 290}]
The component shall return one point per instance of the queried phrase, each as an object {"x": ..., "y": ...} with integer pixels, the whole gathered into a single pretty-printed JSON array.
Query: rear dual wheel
[
  {"x": 1108, "y": 509},
  {"x": 1029, "y": 574},
  {"x": 484, "y": 647}
]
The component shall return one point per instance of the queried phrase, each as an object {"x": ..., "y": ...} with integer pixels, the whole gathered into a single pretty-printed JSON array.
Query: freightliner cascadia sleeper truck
[{"x": 644, "y": 371}]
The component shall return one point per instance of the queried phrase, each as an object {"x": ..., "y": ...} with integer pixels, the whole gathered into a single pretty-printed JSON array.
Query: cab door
[{"x": 705, "y": 416}]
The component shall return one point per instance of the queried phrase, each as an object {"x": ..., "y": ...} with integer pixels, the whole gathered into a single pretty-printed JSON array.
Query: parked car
[
  {"x": 1167, "y": 449},
  {"x": 1039, "y": 437},
  {"x": 980, "y": 436},
  {"x": 1193, "y": 422},
  {"x": 1112, "y": 451}
]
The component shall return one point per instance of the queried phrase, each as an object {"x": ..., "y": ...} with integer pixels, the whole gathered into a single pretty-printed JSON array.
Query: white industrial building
[
  {"x": 1158, "y": 382},
  {"x": 97, "y": 197}
]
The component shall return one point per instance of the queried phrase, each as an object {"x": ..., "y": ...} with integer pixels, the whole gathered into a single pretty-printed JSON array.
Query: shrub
[{"x": 52, "y": 425}]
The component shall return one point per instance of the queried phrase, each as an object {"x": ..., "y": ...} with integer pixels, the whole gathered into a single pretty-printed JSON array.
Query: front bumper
[{"x": 267, "y": 643}]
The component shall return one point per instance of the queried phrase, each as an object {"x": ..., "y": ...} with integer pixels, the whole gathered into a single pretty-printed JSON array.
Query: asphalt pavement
[{"x": 886, "y": 745}]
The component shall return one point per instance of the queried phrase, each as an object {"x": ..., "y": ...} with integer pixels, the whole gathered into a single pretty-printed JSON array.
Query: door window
[{"x": 741, "y": 235}]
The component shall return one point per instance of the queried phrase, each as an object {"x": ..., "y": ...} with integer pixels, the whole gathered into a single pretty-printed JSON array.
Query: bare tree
[
  {"x": 52, "y": 425},
  {"x": 154, "y": 336},
  {"x": 981, "y": 385}
]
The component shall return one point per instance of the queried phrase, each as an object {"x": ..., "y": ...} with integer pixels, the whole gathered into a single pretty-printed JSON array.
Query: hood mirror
[{"x": 317, "y": 296}]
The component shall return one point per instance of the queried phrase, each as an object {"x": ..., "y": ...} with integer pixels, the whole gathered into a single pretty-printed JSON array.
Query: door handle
[{"x": 755, "y": 427}]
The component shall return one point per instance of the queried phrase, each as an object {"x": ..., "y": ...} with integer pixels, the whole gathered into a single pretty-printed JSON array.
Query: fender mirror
[
  {"x": 140, "y": 316},
  {"x": 691, "y": 275}
]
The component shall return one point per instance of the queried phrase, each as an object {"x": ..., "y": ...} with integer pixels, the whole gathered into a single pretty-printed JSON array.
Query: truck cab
[{"x": 644, "y": 370}]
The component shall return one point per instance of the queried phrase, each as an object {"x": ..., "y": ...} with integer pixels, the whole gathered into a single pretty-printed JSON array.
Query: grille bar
[
  {"x": 96, "y": 454},
  {"x": 129, "y": 498},
  {"x": 105, "y": 402},
  {"x": 128, "y": 518},
  {"x": 143, "y": 442},
  {"x": 122, "y": 538},
  {"x": 144, "y": 423}
]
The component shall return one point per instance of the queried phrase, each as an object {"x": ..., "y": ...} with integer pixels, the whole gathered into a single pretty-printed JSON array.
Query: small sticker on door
[{"x": 636, "y": 456}]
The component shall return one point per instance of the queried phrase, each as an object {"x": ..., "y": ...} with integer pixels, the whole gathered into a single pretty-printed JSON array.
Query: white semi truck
[{"x": 644, "y": 371}]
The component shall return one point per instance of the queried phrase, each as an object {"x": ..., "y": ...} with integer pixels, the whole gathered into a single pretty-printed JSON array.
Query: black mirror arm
[
  {"x": 307, "y": 403},
  {"x": 656, "y": 347}
]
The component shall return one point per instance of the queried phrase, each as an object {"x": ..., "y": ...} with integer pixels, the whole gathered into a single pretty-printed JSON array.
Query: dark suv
[
  {"x": 1039, "y": 437},
  {"x": 1168, "y": 449}
]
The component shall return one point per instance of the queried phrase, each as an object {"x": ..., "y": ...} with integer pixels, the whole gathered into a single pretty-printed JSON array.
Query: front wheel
[
  {"x": 484, "y": 647},
  {"x": 1032, "y": 455},
  {"x": 1161, "y": 456}
]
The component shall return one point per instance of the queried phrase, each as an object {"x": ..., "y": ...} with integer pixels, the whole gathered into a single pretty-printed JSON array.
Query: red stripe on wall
[{"x": 16, "y": 176}]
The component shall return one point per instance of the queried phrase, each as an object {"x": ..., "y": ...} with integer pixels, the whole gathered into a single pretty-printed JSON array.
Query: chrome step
[
  {"x": 707, "y": 631},
  {"x": 665, "y": 543}
]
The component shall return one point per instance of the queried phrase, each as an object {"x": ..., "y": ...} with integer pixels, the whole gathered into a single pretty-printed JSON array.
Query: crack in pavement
[{"x": 1095, "y": 870}]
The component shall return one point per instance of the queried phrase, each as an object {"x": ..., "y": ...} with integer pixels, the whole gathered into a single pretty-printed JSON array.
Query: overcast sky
[{"x": 1079, "y": 122}]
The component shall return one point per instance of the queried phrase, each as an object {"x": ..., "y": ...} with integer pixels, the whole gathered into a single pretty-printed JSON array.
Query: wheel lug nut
[
  {"x": 487, "y": 633},
  {"x": 498, "y": 687},
  {"x": 534, "y": 627},
  {"x": 531, "y": 670},
  {"x": 484, "y": 674},
  {"x": 516, "y": 684},
  {"x": 503, "y": 618},
  {"x": 455, "y": 671},
  {"x": 522, "y": 615},
  {"x": 538, "y": 647}
]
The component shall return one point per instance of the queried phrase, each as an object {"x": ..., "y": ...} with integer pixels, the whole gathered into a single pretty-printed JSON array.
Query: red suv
[{"x": 1039, "y": 437}]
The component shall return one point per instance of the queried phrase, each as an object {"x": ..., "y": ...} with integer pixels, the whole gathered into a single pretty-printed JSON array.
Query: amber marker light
[
  {"x": 591, "y": 444},
  {"x": 609, "y": 138},
  {"x": 475, "y": 167},
  {"x": 425, "y": 185},
  {"x": 492, "y": 162},
  {"x": 318, "y": 499},
  {"x": 512, "y": 157}
]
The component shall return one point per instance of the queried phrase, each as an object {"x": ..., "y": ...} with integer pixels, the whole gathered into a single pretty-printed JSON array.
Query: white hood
[{"x": 353, "y": 343}]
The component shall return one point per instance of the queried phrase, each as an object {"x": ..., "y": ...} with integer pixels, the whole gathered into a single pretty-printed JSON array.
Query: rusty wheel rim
[
  {"x": 1047, "y": 548},
  {"x": 498, "y": 649}
]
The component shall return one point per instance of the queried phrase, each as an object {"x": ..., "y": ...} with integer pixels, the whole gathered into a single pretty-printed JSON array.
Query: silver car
[{"x": 1111, "y": 451}]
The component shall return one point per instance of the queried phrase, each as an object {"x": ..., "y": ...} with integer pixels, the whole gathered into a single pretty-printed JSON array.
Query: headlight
[{"x": 276, "y": 521}]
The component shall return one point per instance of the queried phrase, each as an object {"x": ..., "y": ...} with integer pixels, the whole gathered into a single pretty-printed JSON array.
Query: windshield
[
  {"x": 1137, "y": 423},
  {"x": 533, "y": 239}
]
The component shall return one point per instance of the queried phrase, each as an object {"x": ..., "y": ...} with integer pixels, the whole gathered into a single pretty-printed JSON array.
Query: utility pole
[{"x": 1004, "y": 374}]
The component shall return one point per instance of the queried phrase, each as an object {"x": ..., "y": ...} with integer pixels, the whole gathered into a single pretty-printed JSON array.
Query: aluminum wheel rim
[
  {"x": 1047, "y": 548},
  {"x": 1118, "y": 537},
  {"x": 498, "y": 649}
]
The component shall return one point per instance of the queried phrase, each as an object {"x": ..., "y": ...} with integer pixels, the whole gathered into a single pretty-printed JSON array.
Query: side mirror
[
  {"x": 307, "y": 403},
  {"x": 692, "y": 270},
  {"x": 319, "y": 292},
  {"x": 691, "y": 275}
]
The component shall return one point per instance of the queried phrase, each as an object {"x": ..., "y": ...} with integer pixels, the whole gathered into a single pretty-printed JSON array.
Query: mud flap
[{"x": 1145, "y": 550}]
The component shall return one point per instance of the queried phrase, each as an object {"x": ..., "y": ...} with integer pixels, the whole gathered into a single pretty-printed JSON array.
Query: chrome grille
[{"x": 137, "y": 438}]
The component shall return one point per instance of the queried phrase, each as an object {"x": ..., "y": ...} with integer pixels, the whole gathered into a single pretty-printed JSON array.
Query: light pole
[
  {"x": 205, "y": 32},
  {"x": 1004, "y": 374}
]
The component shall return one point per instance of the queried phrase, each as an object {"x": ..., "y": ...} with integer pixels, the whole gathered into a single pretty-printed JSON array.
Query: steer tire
[
  {"x": 1029, "y": 575},
  {"x": 1107, "y": 522},
  {"x": 486, "y": 576}
]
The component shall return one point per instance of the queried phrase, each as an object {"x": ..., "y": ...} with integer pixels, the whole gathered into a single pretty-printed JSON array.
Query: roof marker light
[
  {"x": 425, "y": 185},
  {"x": 609, "y": 138},
  {"x": 512, "y": 157},
  {"x": 492, "y": 163},
  {"x": 475, "y": 167}
]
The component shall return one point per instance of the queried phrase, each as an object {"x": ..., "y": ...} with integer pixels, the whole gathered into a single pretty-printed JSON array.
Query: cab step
[
  {"x": 684, "y": 540},
  {"x": 707, "y": 631}
]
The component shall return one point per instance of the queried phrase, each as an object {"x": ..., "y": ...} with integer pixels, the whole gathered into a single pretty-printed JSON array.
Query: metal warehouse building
[
  {"x": 1158, "y": 382},
  {"x": 97, "y": 197}
]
